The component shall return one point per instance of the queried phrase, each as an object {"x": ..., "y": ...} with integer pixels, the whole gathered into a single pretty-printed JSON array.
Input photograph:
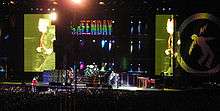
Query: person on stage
[
  {"x": 70, "y": 76},
  {"x": 113, "y": 79},
  {"x": 34, "y": 83}
]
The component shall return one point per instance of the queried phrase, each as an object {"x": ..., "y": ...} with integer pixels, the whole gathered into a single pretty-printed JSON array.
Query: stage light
[
  {"x": 103, "y": 43},
  {"x": 53, "y": 16},
  {"x": 101, "y": 3},
  {"x": 164, "y": 9},
  {"x": 139, "y": 45},
  {"x": 139, "y": 67},
  {"x": 77, "y": 1},
  {"x": 110, "y": 45},
  {"x": 12, "y": 2},
  {"x": 139, "y": 27},
  {"x": 82, "y": 65},
  {"x": 131, "y": 46},
  {"x": 169, "y": 9},
  {"x": 55, "y": 3},
  {"x": 132, "y": 28}
]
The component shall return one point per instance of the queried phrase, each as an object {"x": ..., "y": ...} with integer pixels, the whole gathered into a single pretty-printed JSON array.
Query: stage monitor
[
  {"x": 164, "y": 44},
  {"x": 39, "y": 34}
]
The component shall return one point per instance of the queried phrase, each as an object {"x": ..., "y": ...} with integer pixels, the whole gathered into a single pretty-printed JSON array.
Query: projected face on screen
[
  {"x": 164, "y": 44},
  {"x": 38, "y": 43}
]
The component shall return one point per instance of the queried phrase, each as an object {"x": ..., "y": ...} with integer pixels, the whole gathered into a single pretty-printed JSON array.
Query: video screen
[
  {"x": 164, "y": 45},
  {"x": 39, "y": 34}
]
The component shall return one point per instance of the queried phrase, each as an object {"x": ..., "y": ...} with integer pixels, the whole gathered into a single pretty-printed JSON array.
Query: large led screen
[
  {"x": 39, "y": 34},
  {"x": 164, "y": 44}
]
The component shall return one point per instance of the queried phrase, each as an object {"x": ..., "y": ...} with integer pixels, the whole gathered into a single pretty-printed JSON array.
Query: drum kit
[
  {"x": 102, "y": 75},
  {"x": 91, "y": 70},
  {"x": 94, "y": 75}
]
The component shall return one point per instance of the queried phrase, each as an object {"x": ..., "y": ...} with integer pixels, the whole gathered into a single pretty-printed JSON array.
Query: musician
[
  {"x": 103, "y": 74},
  {"x": 69, "y": 76},
  {"x": 113, "y": 79},
  {"x": 34, "y": 84},
  {"x": 2, "y": 71},
  {"x": 103, "y": 67}
]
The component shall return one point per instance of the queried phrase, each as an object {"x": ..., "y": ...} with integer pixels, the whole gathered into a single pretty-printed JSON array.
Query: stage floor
[{"x": 46, "y": 87}]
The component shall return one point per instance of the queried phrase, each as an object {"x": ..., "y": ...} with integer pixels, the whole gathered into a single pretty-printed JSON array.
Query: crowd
[{"x": 110, "y": 100}]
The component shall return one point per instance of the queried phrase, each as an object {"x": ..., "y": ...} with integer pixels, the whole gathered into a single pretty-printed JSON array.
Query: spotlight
[
  {"x": 169, "y": 9},
  {"x": 164, "y": 9},
  {"x": 101, "y": 3},
  {"x": 55, "y": 3},
  {"x": 12, "y": 2},
  {"x": 77, "y": 1}
]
